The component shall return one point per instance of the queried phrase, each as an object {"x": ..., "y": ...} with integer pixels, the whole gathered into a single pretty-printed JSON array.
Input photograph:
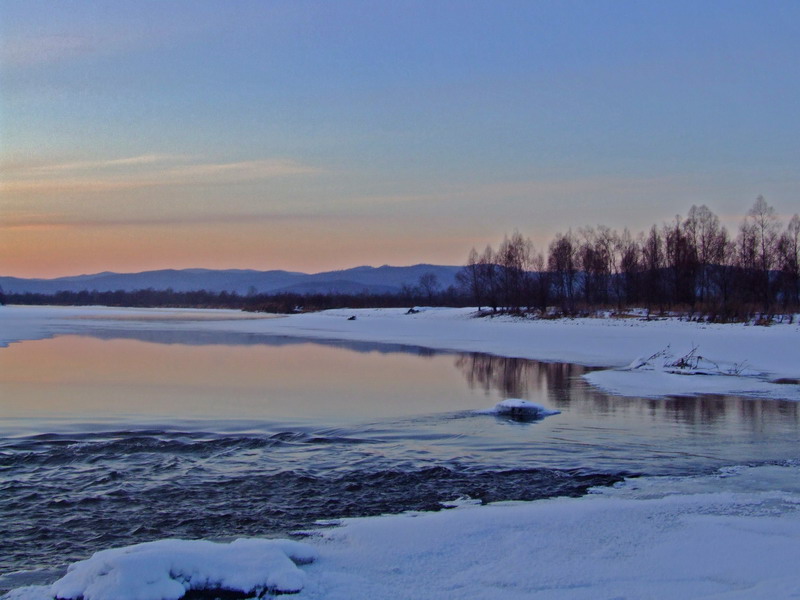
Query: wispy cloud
[
  {"x": 150, "y": 170},
  {"x": 95, "y": 165},
  {"x": 40, "y": 221},
  {"x": 32, "y": 221},
  {"x": 239, "y": 171}
]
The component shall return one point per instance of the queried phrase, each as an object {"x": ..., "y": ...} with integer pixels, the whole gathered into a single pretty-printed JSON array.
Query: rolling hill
[{"x": 376, "y": 280}]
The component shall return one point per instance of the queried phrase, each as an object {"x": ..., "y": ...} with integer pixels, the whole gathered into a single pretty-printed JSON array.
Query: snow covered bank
[
  {"x": 652, "y": 538},
  {"x": 667, "y": 374},
  {"x": 770, "y": 353},
  {"x": 659, "y": 383},
  {"x": 733, "y": 535},
  {"x": 19, "y": 323}
]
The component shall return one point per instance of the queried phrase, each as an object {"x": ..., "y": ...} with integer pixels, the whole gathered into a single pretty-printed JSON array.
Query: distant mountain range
[{"x": 375, "y": 280}]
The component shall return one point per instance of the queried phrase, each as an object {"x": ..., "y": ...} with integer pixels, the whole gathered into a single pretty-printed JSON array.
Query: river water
[{"x": 124, "y": 436}]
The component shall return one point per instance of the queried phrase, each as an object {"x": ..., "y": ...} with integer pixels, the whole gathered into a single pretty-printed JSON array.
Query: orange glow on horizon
[{"x": 47, "y": 251}]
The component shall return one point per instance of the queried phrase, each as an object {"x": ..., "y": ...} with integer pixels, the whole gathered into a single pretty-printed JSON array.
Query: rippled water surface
[{"x": 127, "y": 436}]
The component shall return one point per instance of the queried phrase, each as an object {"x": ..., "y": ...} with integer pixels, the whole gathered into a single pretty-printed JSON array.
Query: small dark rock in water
[
  {"x": 787, "y": 381},
  {"x": 412, "y": 311},
  {"x": 522, "y": 410},
  {"x": 353, "y": 318}
]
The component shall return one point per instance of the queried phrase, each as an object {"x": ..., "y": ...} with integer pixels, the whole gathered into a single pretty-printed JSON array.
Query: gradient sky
[{"x": 320, "y": 135}]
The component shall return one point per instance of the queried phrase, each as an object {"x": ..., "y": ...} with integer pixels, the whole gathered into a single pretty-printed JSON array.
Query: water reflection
[
  {"x": 516, "y": 377},
  {"x": 93, "y": 379},
  {"x": 560, "y": 385},
  {"x": 237, "y": 338},
  {"x": 169, "y": 376}
]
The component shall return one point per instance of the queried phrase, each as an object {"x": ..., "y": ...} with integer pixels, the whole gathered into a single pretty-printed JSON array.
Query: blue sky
[{"x": 316, "y": 135}]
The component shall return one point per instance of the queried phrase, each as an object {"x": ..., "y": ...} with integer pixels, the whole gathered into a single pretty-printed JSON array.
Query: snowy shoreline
[
  {"x": 728, "y": 536},
  {"x": 760, "y": 356}
]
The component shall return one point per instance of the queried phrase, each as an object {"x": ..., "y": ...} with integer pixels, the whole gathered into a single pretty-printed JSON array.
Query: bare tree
[
  {"x": 540, "y": 282},
  {"x": 606, "y": 243},
  {"x": 708, "y": 240},
  {"x": 652, "y": 267},
  {"x": 514, "y": 258},
  {"x": 758, "y": 245},
  {"x": 480, "y": 278},
  {"x": 629, "y": 254},
  {"x": 789, "y": 263},
  {"x": 469, "y": 278},
  {"x": 563, "y": 267},
  {"x": 723, "y": 272},
  {"x": 490, "y": 280},
  {"x": 680, "y": 257},
  {"x": 746, "y": 262},
  {"x": 594, "y": 258},
  {"x": 766, "y": 228},
  {"x": 429, "y": 284}
]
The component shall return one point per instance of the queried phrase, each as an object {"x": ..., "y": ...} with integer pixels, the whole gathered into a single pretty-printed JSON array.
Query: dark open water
[{"x": 129, "y": 436}]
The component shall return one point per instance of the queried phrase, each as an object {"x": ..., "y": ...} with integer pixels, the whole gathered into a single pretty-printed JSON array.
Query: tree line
[
  {"x": 426, "y": 292},
  {"x": 691, "y": 264}
]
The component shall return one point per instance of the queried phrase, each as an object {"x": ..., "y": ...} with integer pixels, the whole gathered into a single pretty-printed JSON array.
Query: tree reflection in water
[
  {"x": 515, "y": 377},
  {"x": 561, "y": 386}
]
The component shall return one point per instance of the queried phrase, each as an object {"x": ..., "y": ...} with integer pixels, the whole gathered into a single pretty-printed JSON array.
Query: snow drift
[{"x": 167, "y": 569}]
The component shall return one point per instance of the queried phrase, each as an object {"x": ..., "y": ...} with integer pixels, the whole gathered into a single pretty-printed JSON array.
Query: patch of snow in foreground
[
  {"x": 167, "y": 569},
  {"x": 520, "y": 409},
  {"x": 655, "y": 538},
  {"x": 729, "y": 536}
]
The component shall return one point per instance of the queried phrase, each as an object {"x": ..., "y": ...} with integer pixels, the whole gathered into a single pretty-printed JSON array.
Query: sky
[{"x": 310, "y": 136}]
